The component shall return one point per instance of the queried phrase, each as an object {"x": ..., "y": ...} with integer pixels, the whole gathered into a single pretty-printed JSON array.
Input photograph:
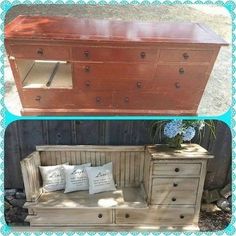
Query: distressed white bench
[{"x": 156, "y": 186}]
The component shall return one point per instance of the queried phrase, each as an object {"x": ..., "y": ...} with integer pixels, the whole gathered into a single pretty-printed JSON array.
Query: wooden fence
[{"x": 21, "y": 137}]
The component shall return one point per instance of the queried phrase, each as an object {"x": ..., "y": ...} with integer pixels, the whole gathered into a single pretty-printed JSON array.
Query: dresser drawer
[
  {"x": 176, "y": 169},
  {"x": 162, "y": 215},
  {"x": 40, "y": 52},
  {"x": 114, "y": 54},
  {"x": 114, "y": 71},
  {"x": 185, "y": 55},
  {"x": 63, "y": 216},
  {"x": 100, "y": 84},
  {"x": 181, "y": 72}
]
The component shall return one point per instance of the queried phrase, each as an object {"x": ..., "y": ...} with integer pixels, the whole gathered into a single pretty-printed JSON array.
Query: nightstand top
[{"x": 189, "y": 151}]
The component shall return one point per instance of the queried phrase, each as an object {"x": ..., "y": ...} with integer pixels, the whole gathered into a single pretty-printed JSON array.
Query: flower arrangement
[{"x": 178, "y": 131}]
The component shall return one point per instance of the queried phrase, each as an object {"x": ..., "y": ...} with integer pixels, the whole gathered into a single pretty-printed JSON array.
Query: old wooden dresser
[
  {"x": 156, "y": 187},
  {"x": 83, "y": 66}
]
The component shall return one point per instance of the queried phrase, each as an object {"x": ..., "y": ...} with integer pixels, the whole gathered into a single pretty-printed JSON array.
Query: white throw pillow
[
  {"x": 76, "y": 178},
  {"x": 100, "y": 178},
  {"x": 53, "y": 177}
]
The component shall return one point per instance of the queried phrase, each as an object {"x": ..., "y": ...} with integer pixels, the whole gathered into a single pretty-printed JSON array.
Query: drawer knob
[
  {"x": 86, "y": 54},
  {"x": 173, "y": 199},
  {"x": 127, "y": 215},
  {"x": 185, "y": 55},
  {"x": 38, "y": 98},
  {"x": 98, "y": 99},
  {"x": 100, "y": 215},
  {"x": 177, "y": 169},
  {"x": 87, "y": 83},
  {"x": 87, "y": 69},
  {"x": 177, "y": 85},
  {"x": 139, "y": 84},
  {"x": 40, "y": 51},
  {"x": 142, "y": 55},
  {"x": 181, "y": 70},
  {"x": 126, "y": 99},
  {"x": 175, "y": 185},
  {"x": 181, "y": 216}
]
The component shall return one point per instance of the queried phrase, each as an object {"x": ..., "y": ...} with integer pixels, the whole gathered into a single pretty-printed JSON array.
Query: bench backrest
[{"x": 128, "y": 161}]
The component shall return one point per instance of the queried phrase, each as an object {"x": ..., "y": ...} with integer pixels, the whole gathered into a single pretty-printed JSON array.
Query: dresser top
[
  {"x": 189, "y": 151},
  {"x": 69, "y": 28}
]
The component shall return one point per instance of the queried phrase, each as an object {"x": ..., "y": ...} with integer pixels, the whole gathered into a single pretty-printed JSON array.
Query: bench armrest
[{"x": 31, "y": 176}]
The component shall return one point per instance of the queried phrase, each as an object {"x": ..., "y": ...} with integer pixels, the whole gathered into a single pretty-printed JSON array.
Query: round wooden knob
[
  {"x": 175, "y": 185},
  {"x": 185, "y": 55},
  {"x": 127, "y": 215},
  {"x": 98, "y": 99},
  {"x": 38, "y": 98},
  {"x": 100, "y": 215},
  {"x": 173, "y": 199},
  {"x": 87, "y": 83},
  {"x": 40, "y": 51},
  {"x": 139, "y": 84},
  {"x": 177, "y": 85},
  {"x": 87, "y": 69},
  {"x": 181, "y": 70},
  {"x": 126, "y": 99},
  {"x": 86, "y": 54},
  {"x": 181, "y": 216},
  {"x": 142, "y": 55},
  {"x": 177, "y": 169}
]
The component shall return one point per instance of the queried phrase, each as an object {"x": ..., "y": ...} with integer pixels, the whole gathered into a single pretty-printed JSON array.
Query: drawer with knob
[
  {"x": 72, "y": 216},
  {"x": 161, "y": 215},
  {"x": 40, "y": 52},
  {"x": 176, "y": 169},
  {"x": 113, "y": 71},
  {"x": 185, "y": 55},
  {"x": 114, "y": 54}
]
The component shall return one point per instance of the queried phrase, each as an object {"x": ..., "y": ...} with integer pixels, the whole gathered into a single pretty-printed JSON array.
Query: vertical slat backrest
[{"x": 128, "y": 161}]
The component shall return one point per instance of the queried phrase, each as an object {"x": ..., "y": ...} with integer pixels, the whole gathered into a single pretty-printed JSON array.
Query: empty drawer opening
[{"x": 45, "y": 74}]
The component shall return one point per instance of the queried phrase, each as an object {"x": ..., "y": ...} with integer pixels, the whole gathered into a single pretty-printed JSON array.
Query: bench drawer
[
  {"x": 185, "y": 55},
  {"x": 162, "y": 215},
  {"x": 114, "y": 54},
  {"x": 71, "y": 217},
  {"x": 40, "y": 52},
  {"x": 176, "y": 169}
]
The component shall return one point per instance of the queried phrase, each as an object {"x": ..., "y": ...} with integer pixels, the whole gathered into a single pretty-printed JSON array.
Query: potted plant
[{"x": 177, "y": 132}]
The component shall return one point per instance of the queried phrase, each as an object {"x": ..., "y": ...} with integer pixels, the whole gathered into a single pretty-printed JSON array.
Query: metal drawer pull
[
  {"x": 87, "y": 83},
  {"x": 100, "y": 215},
  {"x": 181, "y": 216},
  {"x": 175, "y": 185},
  {"x": 139, "y": 84},
  {"x": 98, "y": 99},
  {"x": 143, "y": 55},
  {"x": 173, "y": 199},
  {"x": 127, "y": 215},
  {"x": 185, "y": 55},
  {"x": 176, "y": 169},
  {"x": 177, "y": 85},
  {"x": 87, "y": 69},
  {"x": 126, "y": 99},
  {"x": 86, "y": 54},
  {"x": 38, "y": 98},
  {"x": 40, "y": 51},
  {"x": 181, "y": 71}
]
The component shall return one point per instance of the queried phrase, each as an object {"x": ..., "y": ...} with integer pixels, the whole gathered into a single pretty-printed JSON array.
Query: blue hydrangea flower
[
  {"x": 189, "y": 133},
  {"x": 173, "y": 128}
]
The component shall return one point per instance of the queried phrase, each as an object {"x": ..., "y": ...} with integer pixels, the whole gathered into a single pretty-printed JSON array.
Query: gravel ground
[{"x": 217, "y": 96}]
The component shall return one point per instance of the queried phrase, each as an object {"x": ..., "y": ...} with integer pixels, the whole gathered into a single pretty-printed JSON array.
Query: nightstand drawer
[
  {"x": 114, "y": 54},
  {"x": 40, "y": 52},
  {"x": 176, "y": 169},
  {"x": 160, "y": 215},
  {"x": 173, "y": 197},
  {"x": 185, "y": 55}
]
